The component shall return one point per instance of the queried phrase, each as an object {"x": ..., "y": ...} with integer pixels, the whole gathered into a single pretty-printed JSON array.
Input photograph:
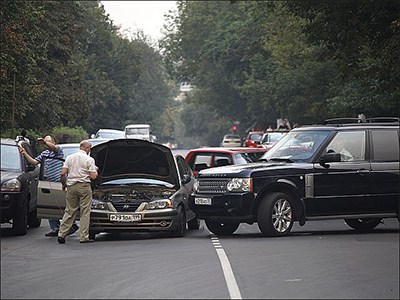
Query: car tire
[
  {"x": 222, "y": 228},
  {"x": 33, "y": 220},
  {"x": 363, "y": 224},
  {"x": 181, "y": 229},
  {"x": 275, "y": 215},
  {"x": 20, "y": 220},
  {"x": 194, "y": 224}
]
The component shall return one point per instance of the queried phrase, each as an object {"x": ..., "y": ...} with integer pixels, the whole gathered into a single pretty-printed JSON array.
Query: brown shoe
[{"x": 87, "y": 241}]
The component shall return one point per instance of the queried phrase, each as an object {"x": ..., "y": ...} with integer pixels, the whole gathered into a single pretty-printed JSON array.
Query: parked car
[
  {"x": 19, "y": 182},
  {"x": 269, "y": 138},
  {"x": 307, "y": 175},
  {"x": 209, "y": 157},
  {"x": 105, "y": 133},
  {"x": 231, "y": 140},
  {"x": 141, "y": 186},
  {"x": 69, "y": 148},
  {"x": 253, "y": 139}
]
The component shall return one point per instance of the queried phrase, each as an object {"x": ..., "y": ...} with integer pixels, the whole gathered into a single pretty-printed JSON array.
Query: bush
[{"x": 69, "y": 135}]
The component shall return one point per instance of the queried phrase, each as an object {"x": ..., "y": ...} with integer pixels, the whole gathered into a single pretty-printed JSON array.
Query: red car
[
  {"x": 253, "y": 139},
  {"x": 209, "y": 157}
]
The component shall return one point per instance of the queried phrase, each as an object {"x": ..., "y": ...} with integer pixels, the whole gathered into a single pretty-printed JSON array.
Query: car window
[
  {"x": 350, "y": 145},
  {"x": 385, "y": 145},
  {"x": 203, "y": 159},
  {"x": 10, "y": 158},
  {"x": 222, "y": 160}
]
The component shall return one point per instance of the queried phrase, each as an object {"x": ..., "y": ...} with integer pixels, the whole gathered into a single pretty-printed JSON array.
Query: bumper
[
  {"x": 10, "y": 204},
  {"x": 226, "y": 207},
  {"x": 150, "y": 221}
]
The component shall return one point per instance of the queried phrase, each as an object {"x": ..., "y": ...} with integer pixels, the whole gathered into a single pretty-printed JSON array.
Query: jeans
[{"x": 54, "y": 225}]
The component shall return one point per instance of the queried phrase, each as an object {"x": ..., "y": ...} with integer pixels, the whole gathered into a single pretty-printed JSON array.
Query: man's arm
[
  {"x": 63, "y": 178},
  {"x": 29, "y": 158}
]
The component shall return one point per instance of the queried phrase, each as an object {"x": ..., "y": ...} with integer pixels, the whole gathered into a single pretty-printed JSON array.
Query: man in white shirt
[{"x": 81, "y": 169}]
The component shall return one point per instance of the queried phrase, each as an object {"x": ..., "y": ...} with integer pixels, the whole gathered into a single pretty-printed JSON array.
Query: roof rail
[
  {"x": 380, "y": 120},
  {"x": 383, "y": 119},
  {"x": 342, "y": 121}
]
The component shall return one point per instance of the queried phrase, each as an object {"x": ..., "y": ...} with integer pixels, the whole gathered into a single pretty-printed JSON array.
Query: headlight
[
  {"x": 240, "y": 185},
  {"x": 196, "y": 185},
  {"x": 96, "y": 204},
  {"x": 159, "y": 204},
  {"x": 12, "y": 185}
]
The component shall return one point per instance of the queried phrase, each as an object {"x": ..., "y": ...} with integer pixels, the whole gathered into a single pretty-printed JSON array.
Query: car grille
[
  {"x": 125, "y": 206},
  {"x": 215, "y": 186}
]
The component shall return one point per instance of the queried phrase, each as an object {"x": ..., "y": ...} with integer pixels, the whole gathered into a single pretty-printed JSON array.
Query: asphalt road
[{"x": 322, "y": 260}]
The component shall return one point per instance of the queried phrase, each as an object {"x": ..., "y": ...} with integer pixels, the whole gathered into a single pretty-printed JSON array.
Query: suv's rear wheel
[
  {"x": 275, "y": 215},
  {"x": 222, "y": 228},
  {"x": 363, "y": 224}
]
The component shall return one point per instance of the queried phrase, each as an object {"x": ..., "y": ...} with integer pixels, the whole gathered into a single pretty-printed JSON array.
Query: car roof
[
  {"x": 8, "y": 141},
  {"x": 69, "y": 145}
]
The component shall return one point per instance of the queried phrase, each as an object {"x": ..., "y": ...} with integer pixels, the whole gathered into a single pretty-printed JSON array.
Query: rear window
[{"x": 385, "y": 145}]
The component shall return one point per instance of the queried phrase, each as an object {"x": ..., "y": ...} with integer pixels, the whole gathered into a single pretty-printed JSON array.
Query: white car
[
  {"x": 231, "y": 140},
  {"x": 104, "y": 133}
]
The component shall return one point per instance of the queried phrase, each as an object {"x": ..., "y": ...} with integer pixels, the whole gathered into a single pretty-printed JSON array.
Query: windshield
[
  {"x": 10, "y": 158},
  {"x": 135, "y": 131},
  {"x": 297, "y": 145},
  {"x": 110, "y": 134},
  {"x": 246, "y": 158}
]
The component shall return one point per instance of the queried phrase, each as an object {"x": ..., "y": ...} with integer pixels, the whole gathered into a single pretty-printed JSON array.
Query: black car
[
  {"x": 19, "y": 182},
  {"x": 141, "y": 187},
  {"x": 332, "y": 171}
]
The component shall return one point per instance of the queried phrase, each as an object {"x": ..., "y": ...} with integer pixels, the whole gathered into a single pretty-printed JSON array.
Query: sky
[{"x": 147, "y": 16}]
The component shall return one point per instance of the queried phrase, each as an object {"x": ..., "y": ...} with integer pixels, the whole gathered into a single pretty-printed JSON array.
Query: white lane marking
[{"x": 227, "y": 270}]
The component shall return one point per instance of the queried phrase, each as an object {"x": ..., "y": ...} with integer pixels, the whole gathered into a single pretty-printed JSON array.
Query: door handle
[{"x": 363, "y": 171}]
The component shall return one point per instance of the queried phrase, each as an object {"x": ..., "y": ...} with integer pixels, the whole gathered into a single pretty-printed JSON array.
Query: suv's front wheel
[
  {"x": 363, "y": 224},
  {"x": 275, "y": 215}
]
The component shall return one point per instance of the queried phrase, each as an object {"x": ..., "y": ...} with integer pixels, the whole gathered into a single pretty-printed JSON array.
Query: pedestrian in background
[
  {"x": 52, "y": 167},
  {"x": 81, "y": 169}
]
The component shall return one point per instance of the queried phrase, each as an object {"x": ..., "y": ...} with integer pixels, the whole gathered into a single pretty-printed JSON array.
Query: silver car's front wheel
[{"x": 275, "y": 215}]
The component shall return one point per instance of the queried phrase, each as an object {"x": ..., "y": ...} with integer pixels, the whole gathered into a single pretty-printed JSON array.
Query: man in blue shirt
[{"x": 52, "y": 167}]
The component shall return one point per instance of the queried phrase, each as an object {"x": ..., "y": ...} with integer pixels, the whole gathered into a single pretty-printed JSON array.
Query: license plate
[
  {"x": 124, "y": 218},
  {"x": 202, "y": 201}
]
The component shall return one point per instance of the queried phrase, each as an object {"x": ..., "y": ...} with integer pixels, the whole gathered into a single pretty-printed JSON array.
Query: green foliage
[{"x": 64, "y": 134}]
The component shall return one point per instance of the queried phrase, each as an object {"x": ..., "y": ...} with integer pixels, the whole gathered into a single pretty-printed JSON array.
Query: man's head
[{"x": 86, "y": 146}]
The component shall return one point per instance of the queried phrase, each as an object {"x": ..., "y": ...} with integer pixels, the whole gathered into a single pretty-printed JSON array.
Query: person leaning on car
[
  {"x": 51, "y": 171},
  {"x": 80, "y": 168}
]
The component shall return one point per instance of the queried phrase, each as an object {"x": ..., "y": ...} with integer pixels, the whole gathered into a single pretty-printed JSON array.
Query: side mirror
[
  {"x": 186, "y": 179},
  {"x": 329, "y": 157},
  {"x": 30, "y": 168},
  {"x": 92, "y": 136}
]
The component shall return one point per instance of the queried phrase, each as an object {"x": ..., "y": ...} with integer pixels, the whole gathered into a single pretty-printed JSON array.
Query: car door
[
  {"x": 51, "y": 198},
  {"x": 342, "y": 187},
  {"x": 384, "y": 188}
]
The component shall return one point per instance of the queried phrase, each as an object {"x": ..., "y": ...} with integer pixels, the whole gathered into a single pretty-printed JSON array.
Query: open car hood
[{"x": 132, "y": 158}]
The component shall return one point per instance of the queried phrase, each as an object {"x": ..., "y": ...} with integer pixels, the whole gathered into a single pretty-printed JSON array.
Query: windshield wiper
[{"x": 280, "y": 159}]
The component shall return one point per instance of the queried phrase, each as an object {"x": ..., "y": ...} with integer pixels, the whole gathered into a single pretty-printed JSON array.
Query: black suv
[
  {"x": 337, "y": 170},
  {"x": 19, "y": 182}
]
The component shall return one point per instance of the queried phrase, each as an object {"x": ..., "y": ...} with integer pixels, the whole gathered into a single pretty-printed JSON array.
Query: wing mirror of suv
[
  {"x": 329, "y": 157},
  {"x": 186, "y": 178}
]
